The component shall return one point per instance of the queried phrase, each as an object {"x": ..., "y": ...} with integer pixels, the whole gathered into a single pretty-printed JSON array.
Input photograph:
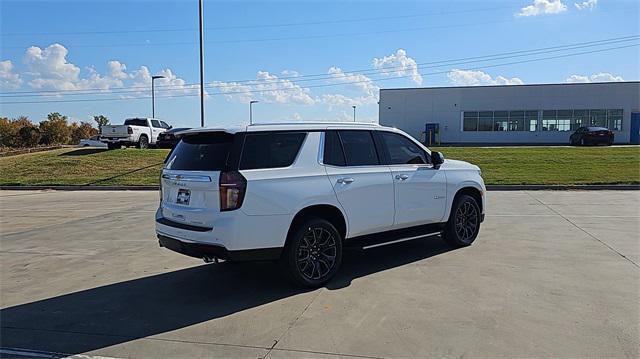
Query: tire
[
  {"x": 317, "y": 241},
  {"x": 143, "y": 142},
  {"x": 464, "y": 222},
  {"x": 113, "y": 146}
]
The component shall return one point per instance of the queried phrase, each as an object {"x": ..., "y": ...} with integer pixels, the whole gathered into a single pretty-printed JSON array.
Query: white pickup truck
[{"x": 139, "y": 132}]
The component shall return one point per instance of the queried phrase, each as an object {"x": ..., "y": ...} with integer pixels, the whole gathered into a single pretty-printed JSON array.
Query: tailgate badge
[{"x": 184, "y": 195}]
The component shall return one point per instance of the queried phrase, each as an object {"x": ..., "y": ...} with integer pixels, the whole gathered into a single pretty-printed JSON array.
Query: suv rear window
[
  {"x": 201, "y": 152},
  {"x": 270, "y": 150},
  {"x": 136, "y": 122}
]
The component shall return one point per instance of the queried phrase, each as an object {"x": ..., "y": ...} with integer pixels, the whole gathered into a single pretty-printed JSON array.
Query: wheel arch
[
  {"x": 328, "y": 212},
  {"x": 473, "y": 192}
]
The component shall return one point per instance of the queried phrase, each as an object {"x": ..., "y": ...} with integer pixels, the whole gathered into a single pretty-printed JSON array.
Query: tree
[
  {"x": 101, "y": 121},
  {"x": 29, "y": 136},
  {"x": 55, "y": 129},
  {"x": 79, "y": 132},
  {"x": 9, "y": 130}
]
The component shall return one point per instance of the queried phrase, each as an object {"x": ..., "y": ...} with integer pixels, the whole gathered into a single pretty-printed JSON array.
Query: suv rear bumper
[{"x": 202, "y": 250}]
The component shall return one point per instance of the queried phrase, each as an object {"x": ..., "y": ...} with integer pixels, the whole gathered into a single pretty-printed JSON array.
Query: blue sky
[{"x": 301, "y": 59}]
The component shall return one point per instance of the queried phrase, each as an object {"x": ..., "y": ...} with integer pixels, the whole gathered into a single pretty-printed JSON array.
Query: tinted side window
[
  {"x": 270, "y": 150},
  {"x": 155, "y": 123},
  {"x": 359, "y": 148},
  {"x": 164, "y": 124},
  {"x": 136, "y": 122},
  {"x": 402, "y": 150},
  {"x": 333, "y": 154}
]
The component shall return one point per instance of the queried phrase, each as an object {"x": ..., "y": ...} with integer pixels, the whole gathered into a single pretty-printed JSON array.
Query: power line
[
  {"x": 258, "y": 26},
  {"x": 327, "y": 85},
  {"x": 325, "y": 76}
]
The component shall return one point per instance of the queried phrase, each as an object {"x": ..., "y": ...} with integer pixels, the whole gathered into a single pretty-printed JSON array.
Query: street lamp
[
  {"x": 354, "y": 113},
  {"x": 153, "y": 95},
  {"x": 251, "y": 111}
]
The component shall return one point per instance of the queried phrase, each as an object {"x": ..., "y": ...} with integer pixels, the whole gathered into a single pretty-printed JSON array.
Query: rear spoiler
[{"x": 229, "y": 130}]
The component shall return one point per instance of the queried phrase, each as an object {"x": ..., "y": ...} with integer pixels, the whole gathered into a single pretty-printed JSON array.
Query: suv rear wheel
[
  {"x": 464, "y": 222},
  {"x": 313, "y": 253}
]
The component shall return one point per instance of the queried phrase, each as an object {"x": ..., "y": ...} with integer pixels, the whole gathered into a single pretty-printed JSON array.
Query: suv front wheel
[
  {"x": 464, "y": 222},
  {"x": 313, "y": 253}
]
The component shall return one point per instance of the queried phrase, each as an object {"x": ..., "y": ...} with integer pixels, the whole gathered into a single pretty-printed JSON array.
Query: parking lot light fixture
[
  {"x": 153, "y": 95},
  {"x": 251, "y": 111}
]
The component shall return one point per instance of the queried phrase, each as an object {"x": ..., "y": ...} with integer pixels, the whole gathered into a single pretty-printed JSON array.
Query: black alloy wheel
[
  {"x": 464, "y": 222},
  {"x": 313, "y": 253}
]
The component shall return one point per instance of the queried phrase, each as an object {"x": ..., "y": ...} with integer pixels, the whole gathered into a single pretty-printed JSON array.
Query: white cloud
[
  {"x": 8, "y": 79},
  {"x": 50, "y": 69},
  {"x": 267, "y": 88},
  {"x": 589, "y": 4},
  {"x": 398, "y": 64},
  {"x": 117, "y": 70},
  {"x": 479, "y": 78},
  {"x": 543, "y": 7},
  {"x": 359, "y": 81},
  {"x": 341, "y": 101},
  {"x": 599, "y": 77}
]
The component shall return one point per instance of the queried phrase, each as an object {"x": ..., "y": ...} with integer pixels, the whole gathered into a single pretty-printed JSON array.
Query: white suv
[{"x": 299, "y": 192}]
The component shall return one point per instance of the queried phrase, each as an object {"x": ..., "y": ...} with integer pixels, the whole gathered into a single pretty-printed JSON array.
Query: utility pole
[
  {"x": 251, "y": 111},
  {"x": 201, "y": 63},
  {"x": 153, "y": 95},
  {"x": 354, "y": 113}
]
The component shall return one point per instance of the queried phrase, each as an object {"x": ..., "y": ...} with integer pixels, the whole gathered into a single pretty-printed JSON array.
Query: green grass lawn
[{"x": 509, "y": 165}]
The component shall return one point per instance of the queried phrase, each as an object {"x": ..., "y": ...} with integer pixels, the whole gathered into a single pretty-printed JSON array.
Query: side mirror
[
  {"x": 170, "y": 127},
  {"x": 437, "y": 158}
]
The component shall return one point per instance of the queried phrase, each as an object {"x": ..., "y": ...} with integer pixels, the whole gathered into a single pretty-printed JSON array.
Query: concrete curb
[{"x": 598, "y": 187}]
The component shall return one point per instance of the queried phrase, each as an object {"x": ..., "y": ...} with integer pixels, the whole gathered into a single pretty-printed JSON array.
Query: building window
[
  {"x": 549, "y": 120},
  {"x": 485, "y": 121},
  {"x": 598, "y": 118},
  {"x": 614, "y": 119},
  {"x": 470, "y": 121},
  {"x": 516, "y": 121},
  {"x": 580, "y": 118}
]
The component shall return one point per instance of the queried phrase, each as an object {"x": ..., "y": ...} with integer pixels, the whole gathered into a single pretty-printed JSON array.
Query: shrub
[
  {"x": 55, "y": 129},
  {"x": 29, "y": 136},
  {"x": 84, "y": 130}
]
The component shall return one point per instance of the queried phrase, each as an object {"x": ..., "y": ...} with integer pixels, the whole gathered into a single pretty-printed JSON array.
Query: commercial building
[{"x": 518, "y": 114}]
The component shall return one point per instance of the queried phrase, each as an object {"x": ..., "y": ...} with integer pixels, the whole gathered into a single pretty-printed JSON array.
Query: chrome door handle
[
  {"x": 402, "y": 177},
  {"x": 345, "y": 180}
]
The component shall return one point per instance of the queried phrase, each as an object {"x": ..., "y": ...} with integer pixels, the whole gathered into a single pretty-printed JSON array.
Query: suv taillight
[
  {"x": 130, "y": 130},
  {"x": 233, "y": 186}
]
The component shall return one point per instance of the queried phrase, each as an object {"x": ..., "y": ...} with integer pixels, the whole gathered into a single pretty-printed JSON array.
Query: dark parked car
[
  {"x": 169, "y": 138},
  {"x": 591, "y": 136}
]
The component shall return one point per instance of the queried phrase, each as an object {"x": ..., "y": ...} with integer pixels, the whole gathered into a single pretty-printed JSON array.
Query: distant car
[
  {"x": 169, "y": 138},
  {"x": 591, "y": 136},
  {"x": 93, "y": 141}
]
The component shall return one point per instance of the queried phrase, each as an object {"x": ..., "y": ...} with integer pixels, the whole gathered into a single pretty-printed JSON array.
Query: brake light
[
  {"x": 232, "y": 187},
  {"x": 130, "y": 130},
  {"x": 160, "y": 187}
]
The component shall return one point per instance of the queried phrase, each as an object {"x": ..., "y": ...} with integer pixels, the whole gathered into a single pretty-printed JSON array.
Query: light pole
[
  {"x": 354, "y": 113},
  {"x": 201, "y": 64},
  {"x": 153, "y": 95},
  {"x": 251, "y": 111}
]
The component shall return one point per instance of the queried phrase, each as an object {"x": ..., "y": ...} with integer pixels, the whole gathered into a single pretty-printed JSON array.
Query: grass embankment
[
  {"x": 552, "y": 165},
  {"x": 508, "y": 165},
  {"x": 83, "y": 166}
]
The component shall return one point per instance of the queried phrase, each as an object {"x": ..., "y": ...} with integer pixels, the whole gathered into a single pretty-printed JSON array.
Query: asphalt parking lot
[{"x": 552, "y": 274}]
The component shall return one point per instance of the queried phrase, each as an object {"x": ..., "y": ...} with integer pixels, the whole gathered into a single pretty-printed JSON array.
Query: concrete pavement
[{"x": 552, "y": 274}]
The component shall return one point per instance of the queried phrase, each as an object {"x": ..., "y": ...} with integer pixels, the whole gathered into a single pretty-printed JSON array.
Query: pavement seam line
[
  {"x": 584, "y": 231},
  {"x": 292, "y": 324},
  {"x": 326, "y": 353}
]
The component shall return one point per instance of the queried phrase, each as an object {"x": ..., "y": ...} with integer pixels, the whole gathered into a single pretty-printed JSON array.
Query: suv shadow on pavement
[{"x": 121, "y": 312}]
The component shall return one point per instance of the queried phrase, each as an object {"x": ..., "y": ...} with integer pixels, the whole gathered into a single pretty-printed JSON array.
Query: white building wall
[{"x": 410, "y": 109}]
